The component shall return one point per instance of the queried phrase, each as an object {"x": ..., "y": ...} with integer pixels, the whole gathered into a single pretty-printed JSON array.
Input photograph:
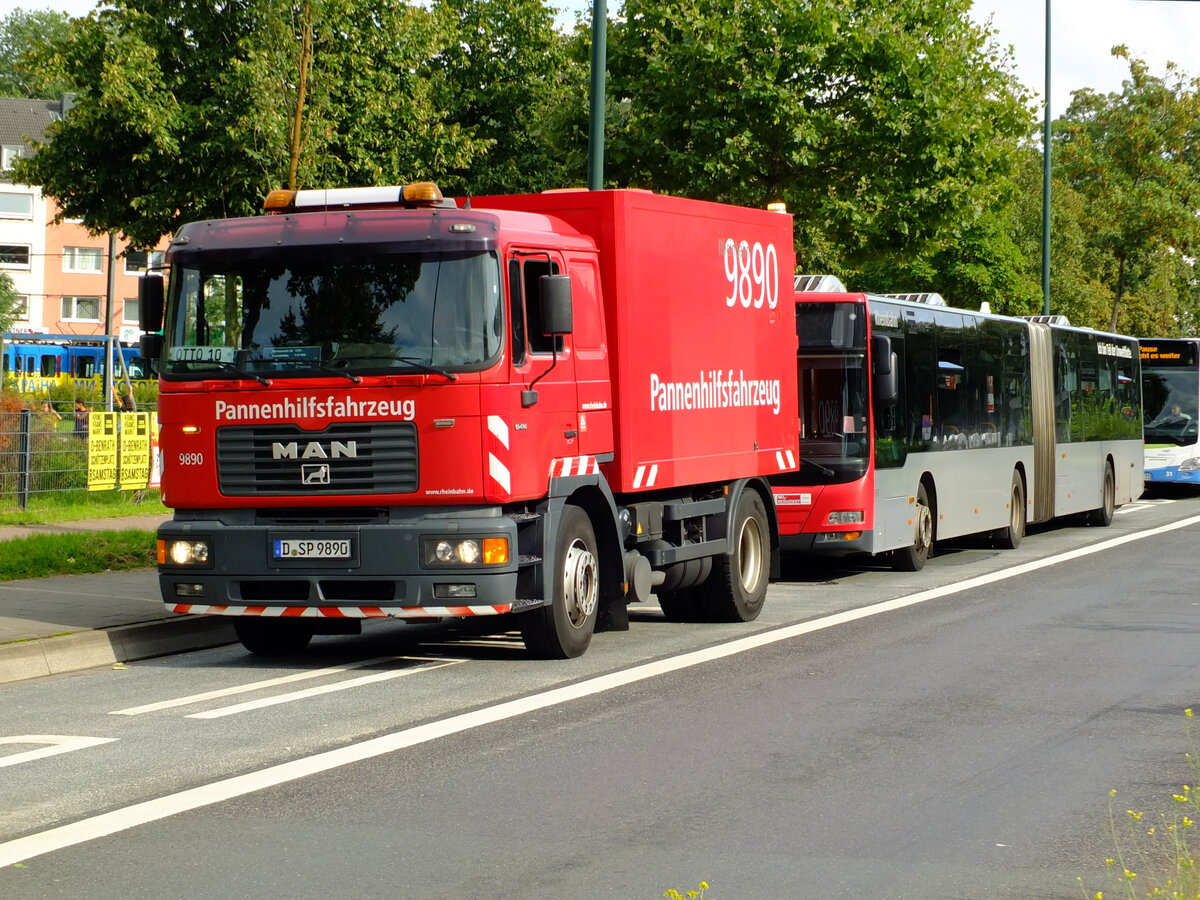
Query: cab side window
[{"x": 525, "y": 306}]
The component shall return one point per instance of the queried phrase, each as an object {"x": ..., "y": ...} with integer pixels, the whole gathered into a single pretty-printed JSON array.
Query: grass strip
[{"x": 80, "y": 553}]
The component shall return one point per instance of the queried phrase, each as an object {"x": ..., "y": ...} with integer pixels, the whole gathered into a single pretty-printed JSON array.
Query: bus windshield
[
  {"x": 1171, "y": 404},
  {"x": 297, "y": 312},
  {"x": 834, "y": 440}
]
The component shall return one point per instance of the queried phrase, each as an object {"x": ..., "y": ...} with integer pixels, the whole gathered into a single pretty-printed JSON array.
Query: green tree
[
  {"x": 9, "y": 302},
  {"x": 1132, "y": 158},
  {"x": 507, "y": 77},
  {"x": 189, "y": 110},
  {"x": 21, "y": 31},
  {"x": 884, "y": 126}
]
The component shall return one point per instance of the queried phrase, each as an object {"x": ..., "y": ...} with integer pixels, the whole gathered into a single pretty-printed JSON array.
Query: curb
[{"x": 125, "y": 643}]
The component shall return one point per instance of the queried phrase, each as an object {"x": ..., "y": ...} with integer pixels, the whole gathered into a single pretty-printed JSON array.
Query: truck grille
[{"x": 347, "y": 458}]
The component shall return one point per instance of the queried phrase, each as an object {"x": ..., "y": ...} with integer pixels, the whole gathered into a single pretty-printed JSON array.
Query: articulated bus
[
  {"x": 1171, "y": 401},
  {"x": 922, "y": 422},
  {"x": 32, "y": 363}
]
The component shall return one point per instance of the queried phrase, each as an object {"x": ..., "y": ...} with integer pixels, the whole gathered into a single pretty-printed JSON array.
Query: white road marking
[
  {"x": 323, "y": 689},
  {"x": 256, "y": 686},
  {"x": 58, "y": 743},
  {"x": 117, "y": 820}
]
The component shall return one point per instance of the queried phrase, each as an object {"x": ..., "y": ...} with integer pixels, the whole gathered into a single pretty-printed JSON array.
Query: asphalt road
[{"x": 952, "y": 733}]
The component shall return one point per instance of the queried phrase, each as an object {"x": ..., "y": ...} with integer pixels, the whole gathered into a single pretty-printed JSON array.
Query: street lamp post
[{"x": 596, "y": 109}]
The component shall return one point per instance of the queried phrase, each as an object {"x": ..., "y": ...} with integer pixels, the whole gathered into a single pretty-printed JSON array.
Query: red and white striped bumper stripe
[
  {"x": 785, "y": 459},
  {"x": 574, "y": 465},
  {"x": 342, "y": 612}
]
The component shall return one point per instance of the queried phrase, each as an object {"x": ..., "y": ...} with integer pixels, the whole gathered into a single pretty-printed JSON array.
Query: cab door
[{"x": 536, "y": 419}]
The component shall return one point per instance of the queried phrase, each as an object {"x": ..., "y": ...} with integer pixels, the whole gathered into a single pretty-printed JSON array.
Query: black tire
[
  {"x": 913, "y": 558},
  {"x": 737, "y": 587},
  {"x": 1103, "y": 515},
  {"x": 1010, "y": 538},
  {"x": 564, "y": 629},
  {"x": 681, "y": 606},
  {"x": 272, "y": 636}
]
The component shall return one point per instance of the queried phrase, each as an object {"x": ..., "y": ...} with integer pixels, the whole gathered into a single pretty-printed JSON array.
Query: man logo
[
  {"x": 314, "y": 450},
  {"x": 314, "y": 473}
]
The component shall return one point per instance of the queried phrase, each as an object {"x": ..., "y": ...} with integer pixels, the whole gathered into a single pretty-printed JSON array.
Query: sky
[{"x": 1083, "y": 33}]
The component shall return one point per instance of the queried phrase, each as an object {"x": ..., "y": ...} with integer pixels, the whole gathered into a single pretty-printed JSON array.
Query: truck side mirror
[
  {"x": 150, "y": 303},
  {"x": 885, "y": 384},
  {"x": 555, "y": 304},
  {"x": 150, "y": 348}
]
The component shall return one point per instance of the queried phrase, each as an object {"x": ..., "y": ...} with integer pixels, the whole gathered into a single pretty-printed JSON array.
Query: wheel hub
[{"x": 580, "y": 583}]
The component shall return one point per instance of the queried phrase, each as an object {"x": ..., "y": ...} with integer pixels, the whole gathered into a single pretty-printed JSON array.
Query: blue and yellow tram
[{"x": 33, "y": 363}]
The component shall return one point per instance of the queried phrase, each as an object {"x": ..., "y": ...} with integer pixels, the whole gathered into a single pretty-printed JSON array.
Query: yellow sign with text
[
  {"x": 134, "y": 470},
  {"x": 102, "y": 451}
]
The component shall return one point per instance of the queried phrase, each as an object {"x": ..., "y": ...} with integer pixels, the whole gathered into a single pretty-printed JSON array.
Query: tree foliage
[
  {"x": 20, "y": 32},
  {"x": 1132, "y": 158},
  {"x": 9, "y": 302},
  {"x": 884, "y": 126},
  {"x": 186, "y": 110}
]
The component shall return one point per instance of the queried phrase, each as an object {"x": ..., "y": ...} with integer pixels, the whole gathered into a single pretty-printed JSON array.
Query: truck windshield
[{"x": 309, "y": 311}]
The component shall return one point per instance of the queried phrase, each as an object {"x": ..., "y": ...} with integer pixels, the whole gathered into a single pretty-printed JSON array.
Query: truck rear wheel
[
  {"x": 738, "y": 585},
  {"x": 272, "y": 636},
  {"x": 564, "y": 629}
]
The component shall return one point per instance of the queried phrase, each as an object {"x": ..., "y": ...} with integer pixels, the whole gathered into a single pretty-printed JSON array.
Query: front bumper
[{"x": 383, "y": 577}]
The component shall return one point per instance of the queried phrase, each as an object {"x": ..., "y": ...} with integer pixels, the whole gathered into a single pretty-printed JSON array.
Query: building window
[
  {"x": 81, "y": 309},
  {"x": 140, "y": 261},
  {"x": 16, "y": 206},
  {"x": 14, "y": 256},
  {"x": 129, "y": 312},
  {"x": 8, "y": 153},
  {"x": 83, "y": 259}
]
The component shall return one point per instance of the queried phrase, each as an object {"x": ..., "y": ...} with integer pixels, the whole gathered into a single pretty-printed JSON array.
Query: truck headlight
[
  {"x": 845, "y": 517},
  {"x": 183, "y": 552},
  {"x": 459, "y": 551}
]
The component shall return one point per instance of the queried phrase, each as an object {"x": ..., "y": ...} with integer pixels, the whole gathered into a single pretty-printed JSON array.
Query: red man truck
[{"x": 379, "y": 402}]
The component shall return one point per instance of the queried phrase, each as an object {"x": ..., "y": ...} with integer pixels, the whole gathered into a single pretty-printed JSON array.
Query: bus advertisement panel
[
  {"x": 922, "y": 422},
  {"x": 1171, "y": 396}
]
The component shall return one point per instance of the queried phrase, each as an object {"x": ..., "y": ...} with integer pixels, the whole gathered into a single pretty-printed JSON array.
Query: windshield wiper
[
  {"x": 261, "y": 379},
  {"x": 824, "y": 470},
  {"x": 417, "y": 364},
  {"x": 342, "y": 373}
]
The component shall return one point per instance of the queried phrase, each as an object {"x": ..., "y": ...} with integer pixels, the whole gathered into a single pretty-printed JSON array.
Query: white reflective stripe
[
  {"x": 637, "y": 477},
  {"x": 574, "y": 465},
  {"x": 653, "y": 476},
  {"x": 498, "y": 428},
  {"x": 779, "y": 459},
  {"x": 791, "y": 460},
  {"x": 499, "y": 473}
]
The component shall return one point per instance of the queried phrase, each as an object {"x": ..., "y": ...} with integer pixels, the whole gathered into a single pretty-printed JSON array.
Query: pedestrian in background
[{"x": 81, "y": 420}]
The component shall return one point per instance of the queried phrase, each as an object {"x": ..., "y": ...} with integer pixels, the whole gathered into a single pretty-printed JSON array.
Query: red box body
[{"x": 699, "y": 331}]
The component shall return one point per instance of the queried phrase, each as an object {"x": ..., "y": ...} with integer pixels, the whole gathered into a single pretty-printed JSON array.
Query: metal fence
[{"x": 43, "y": 450}]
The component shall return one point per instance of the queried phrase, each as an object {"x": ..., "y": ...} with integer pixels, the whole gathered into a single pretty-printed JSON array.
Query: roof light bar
[{"x": 410, "y": 196}]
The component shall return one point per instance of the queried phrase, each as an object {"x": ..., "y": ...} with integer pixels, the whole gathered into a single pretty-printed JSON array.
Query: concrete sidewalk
[{"x": 70, "y": 622}]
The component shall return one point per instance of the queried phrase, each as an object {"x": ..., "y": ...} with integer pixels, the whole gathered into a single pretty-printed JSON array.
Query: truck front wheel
[
  {"x": 564, "y": 629},
  {"x": 272, "y": 636},
  {"x": 738, "y": 585}
]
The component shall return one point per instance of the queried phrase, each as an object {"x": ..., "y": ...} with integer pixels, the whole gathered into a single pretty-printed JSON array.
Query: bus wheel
[
  {"x": 1103, "y": 515},
  {"x": 738, "y": 585},
  {"x": 564, "y": 629},
  {"x": 912, "y": 559},
  {"x": 1010, "y": 538},
  {"x": 272, "y": 636}
]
